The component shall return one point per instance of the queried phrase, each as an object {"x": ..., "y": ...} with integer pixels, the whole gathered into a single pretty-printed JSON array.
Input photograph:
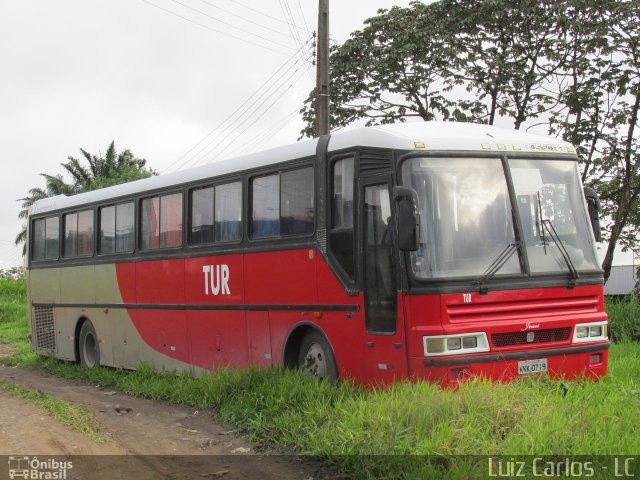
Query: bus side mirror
[
  {"x": 407, "y": 218},
  {"x": 594, "y": 207}
]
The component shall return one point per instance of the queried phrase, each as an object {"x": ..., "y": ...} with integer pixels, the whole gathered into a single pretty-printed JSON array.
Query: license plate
[{"x": 525, "y": 367}]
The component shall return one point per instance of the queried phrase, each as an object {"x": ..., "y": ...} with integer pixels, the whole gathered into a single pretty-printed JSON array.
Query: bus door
[{"x": 386, "y": 349}]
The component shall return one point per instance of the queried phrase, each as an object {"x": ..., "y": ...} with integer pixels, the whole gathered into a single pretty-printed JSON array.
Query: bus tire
[
  {"x": 88, "y": 346},
  {"x": 316, "y": 357}
]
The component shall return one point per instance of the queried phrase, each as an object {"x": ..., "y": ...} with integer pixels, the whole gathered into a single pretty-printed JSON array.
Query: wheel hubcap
[
  {"x": 90, "y": 348},
  {"x": 315, "y": 361}
]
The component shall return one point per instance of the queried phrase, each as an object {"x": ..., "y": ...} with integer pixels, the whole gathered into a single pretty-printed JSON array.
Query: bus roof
[{"x": 440, "y": 136}]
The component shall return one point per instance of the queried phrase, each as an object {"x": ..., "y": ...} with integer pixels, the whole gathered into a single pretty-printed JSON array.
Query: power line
[
  {"x": 286, "y": 66},
  {"x": 261, "y": 115},
  {"x": 8, "y": 248},
  {"x": 232, "y": 26},
  {"x": 284, "y": 6},
  {"x": 266, "y": 134},
  {"x": 264, "y": 14},
  {"x": 275, "y": 128},
  {"x": 214, "y": 29},
  {"x": 245, "y": 19},
  {"x": 232, "y": 115},
  {"x": 291, "y": 22},
  {"x": 243, "y": 119},
  {"x": 301, "y": 13},
  {"x": 11, "y": 254}
]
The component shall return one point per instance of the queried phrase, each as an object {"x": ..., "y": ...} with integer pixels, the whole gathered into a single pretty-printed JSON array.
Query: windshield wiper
[
  {"x": 496, "y": 265},
  {"x": 546, "y": 224},
  {"x": 563, "y": 251},
  {"x": 540, "y": 224}
]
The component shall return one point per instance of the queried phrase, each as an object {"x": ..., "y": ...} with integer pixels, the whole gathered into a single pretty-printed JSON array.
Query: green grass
[
  {"x": 13, "y": 291},
  {"x": 369, "y": 433},
  {"x": 624, "y": 318},
  {"x": 409, "y": 430},
  {"x": 13, "y": 314},
  {"x": 73, "y": 415}
]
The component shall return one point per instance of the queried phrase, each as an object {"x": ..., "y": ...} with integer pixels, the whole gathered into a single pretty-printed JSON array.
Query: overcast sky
[
  {"x": 81, "y": 73},
  {"x": 178, "y": 82}
]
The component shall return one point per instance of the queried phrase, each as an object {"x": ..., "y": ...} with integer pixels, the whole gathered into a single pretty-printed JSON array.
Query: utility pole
[{"x": 322, "y": 70}]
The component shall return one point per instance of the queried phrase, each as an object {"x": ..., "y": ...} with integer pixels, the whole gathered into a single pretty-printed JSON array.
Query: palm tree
[
  {"x": 55, "y": 185},
  {"x": 111, "y": 169},
  {"x": 103, "y": 171}
]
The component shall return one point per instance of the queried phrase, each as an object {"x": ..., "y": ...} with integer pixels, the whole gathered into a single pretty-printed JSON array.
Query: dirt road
[{"x": 145, "y": 439}]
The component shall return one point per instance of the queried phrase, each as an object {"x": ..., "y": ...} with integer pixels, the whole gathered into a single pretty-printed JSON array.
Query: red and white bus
[{"x": 425, "y": 250}]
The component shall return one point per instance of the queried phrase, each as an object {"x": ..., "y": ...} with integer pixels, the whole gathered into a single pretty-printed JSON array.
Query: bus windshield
[
  {"x": 550, "y": 204},
  {"x": 466, "y": 219}
]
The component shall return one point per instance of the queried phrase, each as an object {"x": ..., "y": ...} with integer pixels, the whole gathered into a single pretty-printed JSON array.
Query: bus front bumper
[{"x": 567, "y": 362}]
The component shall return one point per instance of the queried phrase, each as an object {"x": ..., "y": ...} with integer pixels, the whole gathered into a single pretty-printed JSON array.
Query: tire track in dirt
[{"x": 160, "y": 440}]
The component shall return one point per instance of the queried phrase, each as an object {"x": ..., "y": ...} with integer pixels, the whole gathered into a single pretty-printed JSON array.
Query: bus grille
[
  {"x": 44, "y": 328},
  {"x": 525, "y": 310},
  {"x": 525, "y": 338}
]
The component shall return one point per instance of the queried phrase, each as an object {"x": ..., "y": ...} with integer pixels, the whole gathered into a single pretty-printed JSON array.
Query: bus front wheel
[
  {"x": 316, "y": 357},
  {"x": 88, "y": 346}
]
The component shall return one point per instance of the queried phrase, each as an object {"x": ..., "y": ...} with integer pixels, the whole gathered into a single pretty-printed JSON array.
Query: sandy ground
[{"x": 146, "y": 439}]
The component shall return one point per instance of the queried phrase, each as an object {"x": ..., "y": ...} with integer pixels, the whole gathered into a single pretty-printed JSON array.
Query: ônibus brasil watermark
[{"x": 33, "y": 468}]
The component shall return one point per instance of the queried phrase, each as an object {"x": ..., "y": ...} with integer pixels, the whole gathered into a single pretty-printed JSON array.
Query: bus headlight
[
  {"x": 582, "y": 332},
  {"x": 455, "y": 344},
  {"x": 595, "y": 331},
  {"x": 470, "y": 342},
  {"x": 590, "y": 332}
]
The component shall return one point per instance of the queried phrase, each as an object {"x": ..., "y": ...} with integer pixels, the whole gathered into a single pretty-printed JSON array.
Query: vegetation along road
[{"x": 41, "y": 414}]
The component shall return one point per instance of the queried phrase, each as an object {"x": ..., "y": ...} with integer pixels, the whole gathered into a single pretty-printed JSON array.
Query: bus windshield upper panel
[
  {"x": 466, "y": 220},
  {"x": 465, "y": 216},
  {"x": 553, "y": 215}
]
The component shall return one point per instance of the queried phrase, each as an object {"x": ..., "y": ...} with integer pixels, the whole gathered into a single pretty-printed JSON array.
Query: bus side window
[
  {"x": 341, "y": 239},
  {"x": 265, "y": 214},
  {"x": 283, "y": 204},
  {"x": 71, "y": 235},
  {"x": 201, "y": 216},
  {"x": 46, "y": 238},
  {"x": 116, "y": 228},
  {"x": 171, "y": 220},
  {"x": 107, "y": 229},
  {"x": 228, "y": 212},
  {"x": 297, "y": 202},
  {"x": 161, "y": 219},
  {"x": 38, "y": 240},
  {"x": 78, "y": 236},
  {"x": 216, "y": 214},
  {"x": 125, "y": 227}
]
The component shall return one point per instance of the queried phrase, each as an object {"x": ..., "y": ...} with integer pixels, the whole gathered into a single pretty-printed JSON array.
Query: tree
[
  {"x": 102, "y": 171},
  {"x": 600, "y": 116},
  {"x": 55, "y": 185},
  {"x": 398, "y": 67},
  {"x": 512, "y": 52},
  {"x": 573, "y": 66},
  {"x": 450, "y": 60}
]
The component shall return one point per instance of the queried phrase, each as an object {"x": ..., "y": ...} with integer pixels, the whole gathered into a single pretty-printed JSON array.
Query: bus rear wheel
[
  {"x": 316, "y": 357},
  {"x": 88, "y": 346}
]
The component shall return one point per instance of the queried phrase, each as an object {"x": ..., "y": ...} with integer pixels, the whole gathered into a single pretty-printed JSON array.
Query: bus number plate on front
[{"x": 526, "y": 367}]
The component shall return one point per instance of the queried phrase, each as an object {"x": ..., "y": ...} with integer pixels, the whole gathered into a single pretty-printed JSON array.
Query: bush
[
  {"x": 13, "y": 291},
  {"x": 14, "y": 273},
  {"x": 624, "y": 318}
]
